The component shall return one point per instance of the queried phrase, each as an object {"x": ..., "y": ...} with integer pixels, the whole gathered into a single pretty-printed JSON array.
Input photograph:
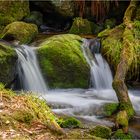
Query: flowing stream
[
  {"x": 82, "y": 103},
  {"x": 101, "y": 77},
  {"x": 29, "y": 75}
]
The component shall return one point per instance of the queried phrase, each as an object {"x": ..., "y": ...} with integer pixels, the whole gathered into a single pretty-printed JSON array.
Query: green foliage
[
  {"x": 110, "y": 108},
  {"x": 62, "y": 62},
  {"x": 81, "y": 26},
  {"x": 101, "y": 131},
  {"x": 119, "y": 135},
  {"x": 69, "y": 122},
  {"x": 21, "y": 31},
  {"x": 112, "y": 49}
]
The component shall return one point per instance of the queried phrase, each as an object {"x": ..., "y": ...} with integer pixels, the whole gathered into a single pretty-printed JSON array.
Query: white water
[
  {"x": 101, "y": 77},
  {"x": 28, "y": 70},
  {"x": 87, "y": 103},
  {"x": 82, "y": 103}
]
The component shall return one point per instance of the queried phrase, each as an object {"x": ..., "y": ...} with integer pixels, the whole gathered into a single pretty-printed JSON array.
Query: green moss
[
  {"x": 62, "y": 62},
  {"x": 101, "y": 131},
  {"x": 21, "y": 31},
  {"x": 128, "y": 108},
  {"x": 81, "y": 26},
  {"x": 119, "y": 135},
  {"x": 112, "y": 39},
  {"x": 110, "y": 108},
  {"x": 122, "y": 119},
  {"x": 23, "y": 116},
  {"x": 8, "y": 59},
  {"x": 69, "y": 122},
  {"x": 11, "y": 11}
]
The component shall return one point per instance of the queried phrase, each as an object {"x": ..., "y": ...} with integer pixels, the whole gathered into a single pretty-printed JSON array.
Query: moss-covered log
[{"x": 126, "y": 60}]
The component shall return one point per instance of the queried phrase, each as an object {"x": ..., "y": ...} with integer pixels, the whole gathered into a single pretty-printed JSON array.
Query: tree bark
[{"x": 125, "y": 61}]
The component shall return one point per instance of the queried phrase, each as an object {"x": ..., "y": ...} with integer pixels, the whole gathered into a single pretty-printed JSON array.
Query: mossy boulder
[
  {"x": 101, "y": 131},
  {"x": 62, "y": 62},
  {"x": 21, "y": 31},
  {"x": 81, "y": 26},
  {"x": 8, "y": 59},
  {"x": 110, "y": 108},
  {"x": 69, "y": 122},
  {"x": 11, "y": 11},
  {"x": 122, "y": 121},
  {"x": 119, "y": 135},
  {"x": 35, "y": 17}
]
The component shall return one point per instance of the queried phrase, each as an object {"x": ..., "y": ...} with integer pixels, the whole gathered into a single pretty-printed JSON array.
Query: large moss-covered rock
[
  {"x": 21, "y": 31},
  {"x": 7, "y": 62},
  {"x": 63, "y": 63},
  {"x": 11, "y": 11}
]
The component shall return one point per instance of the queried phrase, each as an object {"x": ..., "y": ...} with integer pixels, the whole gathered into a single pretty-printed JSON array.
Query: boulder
[
  {"x": 21, "y": 31},
  {"x": 101, "y": 131},
  {"x": 11, "y": 11},
  {"x": 62, "y": 62},
  {"x": 8, "y": 59},
  {"x": 119, "y": 135},
  {"x": 35, "y": 17},
  {"x": 81, "y": 26},
  {"x": 65, "y": 7}
]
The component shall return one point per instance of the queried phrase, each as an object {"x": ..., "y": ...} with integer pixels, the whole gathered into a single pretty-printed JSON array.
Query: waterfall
[
  {"x": 28, "y": 70},
  {"x": 101, "y": 76}
]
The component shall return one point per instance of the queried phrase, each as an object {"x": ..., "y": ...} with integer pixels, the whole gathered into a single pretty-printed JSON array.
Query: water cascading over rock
[
  {"x": 28, "y": 71},
  {"x": 101, "y": 76}
]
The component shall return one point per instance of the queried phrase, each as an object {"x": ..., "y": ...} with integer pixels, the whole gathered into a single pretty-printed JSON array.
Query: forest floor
[{"x": 18, "y": 121}]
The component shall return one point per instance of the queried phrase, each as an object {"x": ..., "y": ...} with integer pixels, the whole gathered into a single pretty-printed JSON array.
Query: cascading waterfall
[
  {"x": 101, "y": 77},
  {"x": 28, "y": 70}
]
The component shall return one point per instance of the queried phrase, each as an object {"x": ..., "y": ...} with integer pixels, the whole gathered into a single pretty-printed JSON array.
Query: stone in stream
[{"x": 62, "y": 62}]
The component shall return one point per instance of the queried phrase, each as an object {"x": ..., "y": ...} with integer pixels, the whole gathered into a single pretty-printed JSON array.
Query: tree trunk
[{"x": 125, "y": 62}]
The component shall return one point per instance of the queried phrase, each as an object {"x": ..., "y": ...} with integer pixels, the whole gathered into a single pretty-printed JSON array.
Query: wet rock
[
  {"x": 35, "y": 17},
  {"x": 21, "y": 31}
]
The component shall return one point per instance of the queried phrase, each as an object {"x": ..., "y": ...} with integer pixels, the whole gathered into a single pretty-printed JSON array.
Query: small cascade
[
  {"x": 101, "y": 76},
  {"x": 28, "y": 70}
]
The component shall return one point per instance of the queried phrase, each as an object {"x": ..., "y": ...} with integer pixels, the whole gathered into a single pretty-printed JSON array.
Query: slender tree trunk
[{"x": 125, "y": 62}]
